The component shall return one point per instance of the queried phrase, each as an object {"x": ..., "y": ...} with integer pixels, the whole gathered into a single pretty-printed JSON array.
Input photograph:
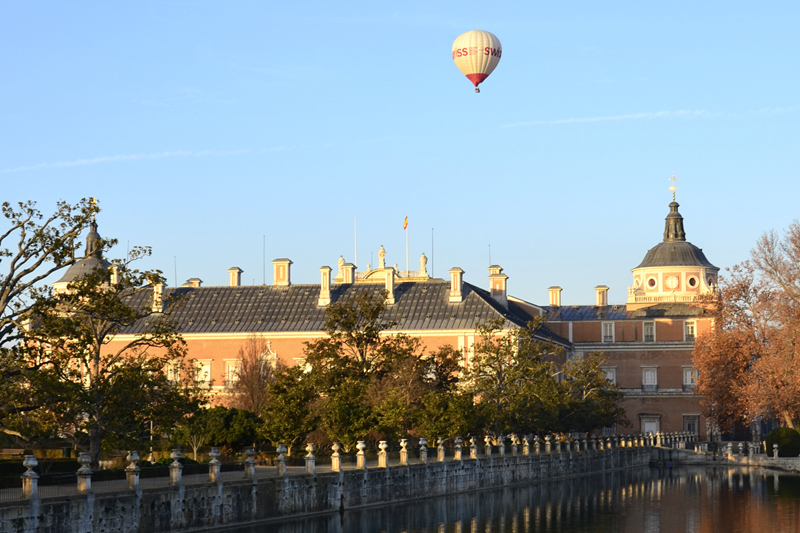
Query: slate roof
[
  {"x": 577, "y": 313},
  {"x": 675, "y": 253},
  {"x": 277, "y": 309}
]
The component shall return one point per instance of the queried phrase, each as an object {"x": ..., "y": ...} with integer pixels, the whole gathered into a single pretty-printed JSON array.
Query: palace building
[{"x": 647, "y": 342}]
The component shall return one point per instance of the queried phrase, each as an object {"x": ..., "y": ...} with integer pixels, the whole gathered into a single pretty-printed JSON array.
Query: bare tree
[
  {"x": 255, "y": 371},
  {"x": 750, "y": 363}
]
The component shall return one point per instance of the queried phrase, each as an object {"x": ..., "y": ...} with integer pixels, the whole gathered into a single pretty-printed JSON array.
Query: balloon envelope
[{"x": 476, "y": 54}]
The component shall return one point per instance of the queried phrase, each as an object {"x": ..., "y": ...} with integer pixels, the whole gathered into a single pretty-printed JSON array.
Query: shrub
[{"x": 788, "y": 441}]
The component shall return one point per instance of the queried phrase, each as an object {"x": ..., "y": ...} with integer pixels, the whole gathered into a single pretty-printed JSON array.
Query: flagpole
[{"x": 406, "y": 250}]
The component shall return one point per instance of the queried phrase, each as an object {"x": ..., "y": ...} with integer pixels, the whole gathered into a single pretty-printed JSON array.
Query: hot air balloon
[{"x": 476, "y": 54}]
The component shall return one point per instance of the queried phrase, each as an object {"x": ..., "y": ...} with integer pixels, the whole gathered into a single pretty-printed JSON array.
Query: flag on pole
[{"x": 405, "y": 223}]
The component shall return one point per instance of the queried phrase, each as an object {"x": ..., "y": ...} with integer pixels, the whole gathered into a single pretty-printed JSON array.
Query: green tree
[
  {"x": 32, "y": 247},
  {"x": 230, "y": 428},
  {"x": 368, "y": 382},
  {"x": 288, "y": 415},
  {"x": 587, "y": 399},
  {"x": 512, "y": 375},
  {"x": 99, "y": 386}
]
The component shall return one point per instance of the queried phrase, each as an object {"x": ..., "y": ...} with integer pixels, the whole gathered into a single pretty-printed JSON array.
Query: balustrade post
[
  {"x": 423, "y": 450},
  {"x": 537, "y": 445},
  {"x": 30, "y": 479},
  {"x": 361, "y": 458},
  {"x": 382, "y": 455},
  {"x": 501, "y": 445},
  {"x": 526, "y": 446},
  {"x": 488, "y": 445},
  {"x": 336, "y": 459},
  {"x": 84, "y": 473},
  {"x": 280, "y": 460},
  {"x": 175, "y": 467},
  {"x": 775, "y": 452},
  {"x": 440, "y": 455},
  {"x": 741, "y": 448},
  {"x": 214, "y": 465},
  {"x": 403, "y": 452},
  {"x": 630, "y": 441},
  {"x": 576, "y": 444},
  {"x": 608, "y": 442},
  {"x": 132, "y": 470},
  {"x": 473, "y": 448},
  {"x": 311, "y": 461},
  {"x": 585, "y": 443},
  {"x": 593, "y": 443},
  {"x": 514, "y": 443},
  {"x": 457, "y": 449},
  {"x": 250, "y": 464}
]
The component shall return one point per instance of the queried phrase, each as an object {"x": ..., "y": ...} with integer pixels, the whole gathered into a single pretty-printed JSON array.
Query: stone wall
[{"x": 187, "y": 507}]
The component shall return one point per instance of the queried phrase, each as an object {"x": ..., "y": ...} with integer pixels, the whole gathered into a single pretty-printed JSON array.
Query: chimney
[
  {"x": 324, "y": 286},
  {"x": 158, "y": 298},
  {"x": 389, "y": 286},
  {"x": 555, "y": 296},
  {"x": 349, "y": 270},
  {"x": 193, "y": 283},
  {"x": 281, "y": 272},
  {"x": 235, "y": 276},
  {"x": 456, "y": 285},
  {"x": 602, "y": 295},
  {"x": 497, "y": 285}
]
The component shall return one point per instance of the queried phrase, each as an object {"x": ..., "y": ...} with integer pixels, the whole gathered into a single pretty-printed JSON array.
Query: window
[
  {"x": 689, "y": 378},
  {"x": 231, "y": 372},
  {"x": 649, "y": 332},
  {"x": 689, "y": 331},
  {"x": 611, "y": 373},
  {"x": 203, "y": 372},
  {"x": 691, "y": 424},
  {"x": 651, "y": 282},
  {"x": 650, "y": 424},
  {"x": 649, "y": 379},
  {"x": 608, "y": 332}
]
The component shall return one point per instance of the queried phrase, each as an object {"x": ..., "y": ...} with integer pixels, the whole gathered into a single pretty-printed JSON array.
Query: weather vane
[
  {"x": 93, "y": 202},
  {"x": 673, "y": 188}
]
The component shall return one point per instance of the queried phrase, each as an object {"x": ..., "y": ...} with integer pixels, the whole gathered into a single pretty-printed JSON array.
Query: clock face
[{"x": 672, "y": 282}]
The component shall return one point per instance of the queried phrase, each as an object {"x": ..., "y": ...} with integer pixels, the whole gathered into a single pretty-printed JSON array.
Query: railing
[
  {"x": 654, "y": 299},
  {"x": 478, "y": 449},
  {"x": 689, "y": 387},
  {"x": 649, "y": 338},
  {"x": 608, "y": 338},
  {"x": 649, "y": 388}
]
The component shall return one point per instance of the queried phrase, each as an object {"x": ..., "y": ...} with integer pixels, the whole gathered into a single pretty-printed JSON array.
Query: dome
[
  {"x": 675, "y": 250},
  {"x": 678, "y": 253},
  {"x": 93, "y": 260}
]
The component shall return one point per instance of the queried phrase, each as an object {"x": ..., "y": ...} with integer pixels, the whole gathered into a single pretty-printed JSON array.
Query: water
[{"x": 690, "y": 499}]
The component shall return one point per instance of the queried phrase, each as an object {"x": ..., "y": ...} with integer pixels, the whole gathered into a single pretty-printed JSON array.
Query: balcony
[
  {"x": 649, "y": 338},
  {"x": 689, "y": 387},
  {"x": 649, "y": 388},
  {"x": 608, "y": 338}
]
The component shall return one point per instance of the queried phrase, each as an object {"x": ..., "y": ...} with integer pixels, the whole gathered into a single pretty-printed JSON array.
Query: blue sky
[{"x": 206, "y": 127}]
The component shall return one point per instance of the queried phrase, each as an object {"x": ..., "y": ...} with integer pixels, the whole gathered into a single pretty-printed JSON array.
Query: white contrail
[
  {"x": 613, "y": 118},
  {"x": 125, "y": 157}
]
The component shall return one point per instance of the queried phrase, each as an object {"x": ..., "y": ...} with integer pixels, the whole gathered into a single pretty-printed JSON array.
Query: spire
[
  {"x": 673, "y": 229},
  {"x": 92, "y": 240}
]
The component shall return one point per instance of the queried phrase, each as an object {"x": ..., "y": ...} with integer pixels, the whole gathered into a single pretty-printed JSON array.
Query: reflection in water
[{"x": 652, "y": 501}]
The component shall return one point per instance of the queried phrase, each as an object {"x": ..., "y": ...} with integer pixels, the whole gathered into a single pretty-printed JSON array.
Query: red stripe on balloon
[{"x": 477, "y": 78}]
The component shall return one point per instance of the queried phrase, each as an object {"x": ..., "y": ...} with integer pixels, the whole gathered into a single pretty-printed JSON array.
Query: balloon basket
[{"x": 477, "y": 90}]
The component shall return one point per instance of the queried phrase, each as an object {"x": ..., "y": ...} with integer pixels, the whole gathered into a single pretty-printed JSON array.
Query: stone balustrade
[{"x": 495, "y": 447}]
